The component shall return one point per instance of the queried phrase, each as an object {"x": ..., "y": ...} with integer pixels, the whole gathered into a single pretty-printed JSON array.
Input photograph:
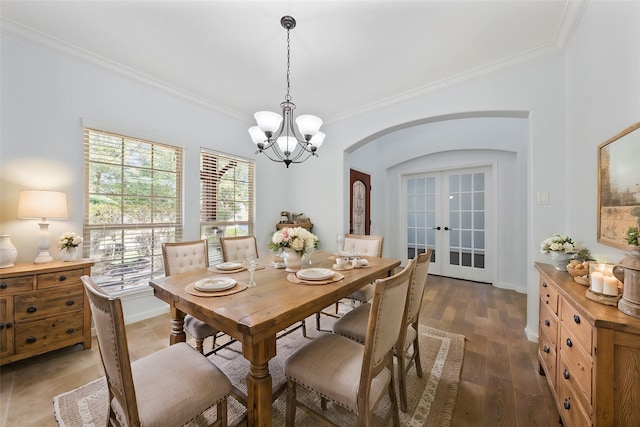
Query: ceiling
[{"x": 347, "y": 57}]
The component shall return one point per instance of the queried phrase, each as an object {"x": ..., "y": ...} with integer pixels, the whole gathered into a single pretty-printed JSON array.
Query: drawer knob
[
  {"x": 30, "y": 339},
  {"x": 70, "y": 331},
  {"x": 31, "y": 309},
  {"x": 70, "y": 302},
  {"x": 3, "y": 285},
  {"x": 546, "y": 322},
  {"x": 565, "y": 374},
  {"x": 567, "y": 404},
  {"x": 546, "y": 349},
  {"x": 62, "y": 278},
  {"x": 576, "y": 318},
  {"x": 569, "y": 342},
  {"x": 544, "y": 284}
]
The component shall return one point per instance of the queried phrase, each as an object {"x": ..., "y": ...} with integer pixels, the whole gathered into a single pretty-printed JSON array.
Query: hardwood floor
[{"x": 500, "y": 384}]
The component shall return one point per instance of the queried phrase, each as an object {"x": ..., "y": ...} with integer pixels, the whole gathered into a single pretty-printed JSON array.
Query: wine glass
[{"x": 251, "y": 268}]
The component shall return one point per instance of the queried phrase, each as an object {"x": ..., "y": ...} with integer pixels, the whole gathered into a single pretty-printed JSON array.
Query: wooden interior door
[{"x": 360, "y": 202}]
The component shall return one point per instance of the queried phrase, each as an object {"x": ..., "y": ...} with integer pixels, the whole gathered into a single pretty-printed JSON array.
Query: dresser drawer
[
  {"x": 549, "y": 296},
  {"x": 44, "y": 335},
  {"x": 579, "y": 330},
  {"x": 12, "y": 285},
  {"x": 576, "y": 369},
  {"x": 547, "y": 357},
  {"x": 60, "y": 278},
  {"x": 39, "y": 305},
  {"x": 549, "y": 324},
  {"x": 571, "y": 410}
]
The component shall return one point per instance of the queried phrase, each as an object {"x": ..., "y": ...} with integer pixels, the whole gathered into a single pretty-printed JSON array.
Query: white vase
[
  {"x": 69, "y": 254},
  {"x": 8, "y": 252},
  {"x": 292, "y": 260},
  {"x": 560, "y": 260}
]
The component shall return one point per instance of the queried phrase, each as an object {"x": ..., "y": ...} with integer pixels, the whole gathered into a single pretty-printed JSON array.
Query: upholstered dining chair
[
  {"x": 353, "y": 325},
  {"x": 139, "y": 391},
  {"x": 238, "y": 248},
  {"x": 366, "y": 245},
  {"x": 181, "y": 257},
  {"x": 353, "y": 375}
]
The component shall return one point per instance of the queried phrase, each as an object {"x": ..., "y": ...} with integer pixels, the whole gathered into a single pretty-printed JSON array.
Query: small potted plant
[
  {"x": 560, "y": 248},
  {"x": 631, "y": 236}
]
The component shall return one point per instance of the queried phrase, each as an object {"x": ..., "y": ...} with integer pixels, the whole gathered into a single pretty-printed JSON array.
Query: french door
[{"x": 449, "y": 211}]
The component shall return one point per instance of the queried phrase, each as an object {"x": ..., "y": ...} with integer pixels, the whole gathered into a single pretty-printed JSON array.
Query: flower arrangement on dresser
[
  {"x": 560, "y": 248},
  {"x": 68, "y": 244}
]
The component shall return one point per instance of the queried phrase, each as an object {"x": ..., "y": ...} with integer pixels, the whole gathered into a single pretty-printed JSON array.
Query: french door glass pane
[{"x": 467, "y": 220}]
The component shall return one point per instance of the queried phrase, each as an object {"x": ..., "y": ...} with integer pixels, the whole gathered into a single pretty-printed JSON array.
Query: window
[
  {"x": 226, "y": 199},
  {"x": 133, "y": 204}
]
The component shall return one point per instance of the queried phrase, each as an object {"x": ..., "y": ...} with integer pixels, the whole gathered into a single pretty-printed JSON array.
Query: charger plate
[
  {"x": 239, "y": 287},
  {"x": 294, "y": 279},
  {"x": 314, "y": 274}
]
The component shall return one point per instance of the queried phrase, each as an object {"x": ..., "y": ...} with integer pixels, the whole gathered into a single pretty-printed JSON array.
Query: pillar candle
[
  {"x": 610, "y": 286},
  {"x": 597, "y": 281}
]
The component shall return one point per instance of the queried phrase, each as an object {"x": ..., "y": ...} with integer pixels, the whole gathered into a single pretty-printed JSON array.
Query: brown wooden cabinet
[
  {"x": 590, "y": 354},
  {"x": 43, "y": 307}
]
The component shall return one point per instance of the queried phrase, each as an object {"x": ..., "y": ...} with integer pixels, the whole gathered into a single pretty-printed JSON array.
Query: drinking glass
[{"x": 340, "y": 242}]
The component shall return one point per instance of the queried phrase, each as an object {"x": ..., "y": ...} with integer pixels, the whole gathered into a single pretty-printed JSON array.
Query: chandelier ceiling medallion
[{"x": 276, "y": 135}]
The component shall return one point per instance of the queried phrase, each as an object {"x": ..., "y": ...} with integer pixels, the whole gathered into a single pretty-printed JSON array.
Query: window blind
[
  {"x": 226, "y": 198},
  {"x": 133, "y": 204}
]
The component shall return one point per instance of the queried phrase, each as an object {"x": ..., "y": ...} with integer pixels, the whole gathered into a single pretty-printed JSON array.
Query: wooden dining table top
[{"x": 275, "y": 303}]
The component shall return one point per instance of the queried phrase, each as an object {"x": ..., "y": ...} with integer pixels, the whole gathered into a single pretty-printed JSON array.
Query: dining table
[{"x": 254, "y": 316}]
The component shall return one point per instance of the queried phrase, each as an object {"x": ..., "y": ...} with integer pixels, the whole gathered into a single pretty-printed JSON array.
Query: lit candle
[
  {"x": 597, "y": 281},
  {"x": 610, "y": 286}
]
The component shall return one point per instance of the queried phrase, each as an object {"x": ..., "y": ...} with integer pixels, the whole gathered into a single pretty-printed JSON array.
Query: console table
[
  {"x": 589, "y": 352},
  {"x": 43, "y": 307}
]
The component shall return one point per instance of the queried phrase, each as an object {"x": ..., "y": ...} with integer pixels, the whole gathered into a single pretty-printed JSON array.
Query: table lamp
[{"x": 40, "y": 204}]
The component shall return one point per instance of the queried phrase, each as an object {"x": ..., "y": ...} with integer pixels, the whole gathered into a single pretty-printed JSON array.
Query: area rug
[{"x": 431, "y": 399}]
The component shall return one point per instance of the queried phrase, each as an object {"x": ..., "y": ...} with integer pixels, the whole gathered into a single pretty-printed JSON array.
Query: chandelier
[{"x": 276, "y": 135}]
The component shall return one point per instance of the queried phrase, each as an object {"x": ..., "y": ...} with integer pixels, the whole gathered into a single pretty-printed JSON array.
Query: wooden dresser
[
  {"x": 43, "y": 307},
  {"x": 590, "y": 354}
]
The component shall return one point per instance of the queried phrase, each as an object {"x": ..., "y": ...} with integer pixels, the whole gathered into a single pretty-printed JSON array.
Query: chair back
[
  {"x": 112, "y": 342},
  {"x": 367, "y": 245},
  {"x": 181, "y": 257},
  {"x": 238, "y": 248},
  {"x": 384, "y": 325},
  {"x": 417, "y": 286}
]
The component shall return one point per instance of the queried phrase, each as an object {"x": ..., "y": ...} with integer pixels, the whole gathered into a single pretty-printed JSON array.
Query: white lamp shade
[
  {"x": 257, "y": 136},
  {"x": 317, "y": 139},
  {"x": 308, "y": 124},
  {"x": 287, "y": 143},
  {"x": 36, "y": 204},
  {"x": 268, "y": 121}
]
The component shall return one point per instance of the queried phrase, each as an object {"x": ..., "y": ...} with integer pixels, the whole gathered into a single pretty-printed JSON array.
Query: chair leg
[
  {"x": 221, "y": 411},
  {"x": 304, "y": 328},
  {"x": 395, "y": 414},
  {"x": 200, "y": 346},
  {"x": 291, "y": 404},
  {"x": 317, "y": 321},
  {"x": 402, "y": 386},
  {"x": 416, "y": 357}
]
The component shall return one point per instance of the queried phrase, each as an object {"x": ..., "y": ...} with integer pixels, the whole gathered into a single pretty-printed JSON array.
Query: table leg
[
  {"x": 259, "y": 383},
  {"x": 177, "y": 327}
]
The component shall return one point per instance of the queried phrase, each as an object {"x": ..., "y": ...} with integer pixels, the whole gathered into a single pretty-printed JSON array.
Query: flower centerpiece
[
  {"x": 560, "y": 247},
  {"x": 68, "y": 245},
  {"x": 293, "y": 243}
]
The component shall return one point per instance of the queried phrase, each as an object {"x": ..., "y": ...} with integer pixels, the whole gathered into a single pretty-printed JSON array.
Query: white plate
[
  {"x": 229, "y": 266},
  {"x": 314, "y": 274},
  {"x": 214, "y": 284}
]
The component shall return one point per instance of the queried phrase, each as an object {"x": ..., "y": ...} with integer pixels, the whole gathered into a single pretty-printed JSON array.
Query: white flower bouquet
[
  {"x": 298, "y": 239},
  {"x": 69, "y": 240},
  {"x": 558, "y": 243}
]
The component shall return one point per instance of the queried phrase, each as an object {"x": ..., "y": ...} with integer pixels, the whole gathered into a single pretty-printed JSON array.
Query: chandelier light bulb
[
  {"x": 257, "y": 136},
  {"x": 317, "y": 139},
  {"x": 308, "y": 124},
  {"x": 268, "y": 121}
]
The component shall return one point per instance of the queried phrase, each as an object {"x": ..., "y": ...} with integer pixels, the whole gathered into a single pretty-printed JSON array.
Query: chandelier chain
[{"x": 288, "y": 97}]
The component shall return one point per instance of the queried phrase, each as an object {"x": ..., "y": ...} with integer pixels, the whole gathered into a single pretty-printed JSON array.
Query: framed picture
[{"x": 619, "y": 186}]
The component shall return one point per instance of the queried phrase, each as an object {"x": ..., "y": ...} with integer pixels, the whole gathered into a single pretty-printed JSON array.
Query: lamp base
[{"x": 43, "y": 258}]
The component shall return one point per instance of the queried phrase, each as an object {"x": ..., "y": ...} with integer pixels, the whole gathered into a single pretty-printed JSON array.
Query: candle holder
[{"x": 603, "y": 284}]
